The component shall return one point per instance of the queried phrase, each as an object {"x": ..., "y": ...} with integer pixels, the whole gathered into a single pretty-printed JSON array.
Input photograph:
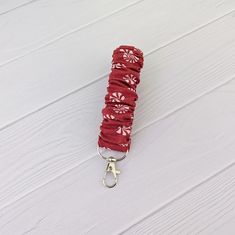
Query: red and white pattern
[
  {"x": 118, "y": 66},
  {"x": 121, "y": 99},
  {"x": 117, "y": 97},
  {"x": 131, "y": 89},
  {"x": 109, "y": 116},
  {"x": 130, "y": 78},
  {"x": 124, "y": 130},
  {"x": 121, "y": 108},
  {"x": 129, "y": 56},
  {"x": 124, "y": 145}
]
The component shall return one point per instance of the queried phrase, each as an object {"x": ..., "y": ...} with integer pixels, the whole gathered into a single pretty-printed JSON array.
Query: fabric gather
[{"x": 120, "y": 100}]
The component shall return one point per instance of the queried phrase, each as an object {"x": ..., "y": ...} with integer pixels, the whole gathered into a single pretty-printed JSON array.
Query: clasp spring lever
[{"x": 111, "y": 167}]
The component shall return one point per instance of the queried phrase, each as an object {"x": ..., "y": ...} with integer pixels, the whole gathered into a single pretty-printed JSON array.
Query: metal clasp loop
[
  {"x": 111, "y": 167},
  {"x": 106, "y": 158}
]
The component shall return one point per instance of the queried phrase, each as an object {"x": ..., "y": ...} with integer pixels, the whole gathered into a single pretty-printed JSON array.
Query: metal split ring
[{"x": 106, "y": 158}]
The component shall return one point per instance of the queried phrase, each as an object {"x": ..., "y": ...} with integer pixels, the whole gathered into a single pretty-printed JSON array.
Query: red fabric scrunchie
[{"x": 120, "y": 101}]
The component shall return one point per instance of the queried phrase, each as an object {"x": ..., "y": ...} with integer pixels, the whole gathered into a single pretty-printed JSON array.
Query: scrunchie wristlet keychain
[{"x": 120, "y": 102}]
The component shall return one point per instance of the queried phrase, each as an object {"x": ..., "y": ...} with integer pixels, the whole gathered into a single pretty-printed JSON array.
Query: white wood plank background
[{"x": 55, "y": 56}]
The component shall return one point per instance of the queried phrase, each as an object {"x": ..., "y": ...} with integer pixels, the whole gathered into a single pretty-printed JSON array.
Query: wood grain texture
[
  {"x": 48, "y": 21},
  {"x": 12, "y": 5},
  {"x": 59, "y": 61},
  {"x": 52, "y": 139},
  {"x": 51, "y": 176},
  {"x": 207, "y": 209},
  {"x": 179, "y": 176},
  {"x": 167, "y": 160}
]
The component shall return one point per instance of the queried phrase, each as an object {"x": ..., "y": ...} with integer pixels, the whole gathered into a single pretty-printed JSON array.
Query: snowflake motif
[
  {"x": 108, "y": 116},
  {"x": 118, "y": 66},
  {"x": 124, "y": 130},
  {"x": 117, "y": 97},
  {"x": 131, "y": 79},
  {"x": 131, "y": 89},
  {"x": 129, "y": 56},
  {"x": 120, "y": 108}
]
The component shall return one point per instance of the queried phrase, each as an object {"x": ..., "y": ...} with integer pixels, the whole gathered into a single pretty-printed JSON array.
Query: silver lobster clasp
[{"x": 111, "y": 168}]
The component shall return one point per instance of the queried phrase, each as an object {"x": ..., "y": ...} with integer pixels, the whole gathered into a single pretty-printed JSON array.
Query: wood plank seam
[
  {"x": 134, "y": 133},
  {"x": 71, "y": 32},
  {"x": 105, "y": 75},
  {"x": 187, "y": 103},
  {"x": 35, "y": 226},
  {"x": 191, "y": 189},
  {"x": 192, "y": 31},
  {"x": 190, "y": 180},
  {"x": 52, "y": 180},
  {"x": 17, "y": 7},
  {"x": 103, "y": 18},
  {"x": 178, "y": 217}
]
